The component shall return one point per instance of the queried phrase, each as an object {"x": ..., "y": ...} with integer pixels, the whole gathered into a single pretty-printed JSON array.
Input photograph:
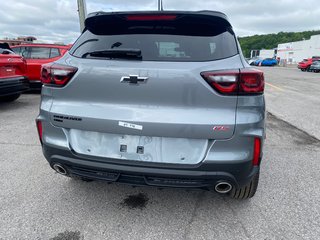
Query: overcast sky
[{"x": 57, "y": 20}]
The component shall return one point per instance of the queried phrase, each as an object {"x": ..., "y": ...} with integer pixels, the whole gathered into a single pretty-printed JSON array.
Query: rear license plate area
[{"x": 138, "y": 148}]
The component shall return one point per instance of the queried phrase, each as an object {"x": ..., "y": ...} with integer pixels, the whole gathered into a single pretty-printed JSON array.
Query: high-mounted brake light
[
  {"x": 151, "y": 17},
  {"x": 40, "y": 130},
  {"x": 233, "y": 82},
  {"x": 56, "y": 75},
  {"x": 256, "y": 152}
]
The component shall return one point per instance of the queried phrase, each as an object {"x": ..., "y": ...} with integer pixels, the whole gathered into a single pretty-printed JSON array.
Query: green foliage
[{"x": 270, "y": 41}]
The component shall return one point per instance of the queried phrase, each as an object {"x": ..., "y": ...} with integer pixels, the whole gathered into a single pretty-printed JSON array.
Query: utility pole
[
  {"x": 160, "y": 5},
  {"x": 82, "y": 10}
]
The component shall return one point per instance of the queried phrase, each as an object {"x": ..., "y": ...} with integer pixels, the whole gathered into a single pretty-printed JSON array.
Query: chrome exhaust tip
[
  {"x": 223, "y": 187},
  {"x": 60, "y": 169}
]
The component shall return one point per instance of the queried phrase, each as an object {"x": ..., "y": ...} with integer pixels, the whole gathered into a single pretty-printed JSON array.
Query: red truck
[{"x": 306, "y": 63}]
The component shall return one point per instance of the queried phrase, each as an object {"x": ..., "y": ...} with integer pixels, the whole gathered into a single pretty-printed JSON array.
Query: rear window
[
  {"x": 161, "y": 42},
  {"x": 6, "y": 51}
]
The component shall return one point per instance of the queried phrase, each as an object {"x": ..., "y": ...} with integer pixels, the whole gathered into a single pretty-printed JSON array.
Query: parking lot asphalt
[
  {"x": 293, "y": 96},
  {"x": 37, "y": 203}
]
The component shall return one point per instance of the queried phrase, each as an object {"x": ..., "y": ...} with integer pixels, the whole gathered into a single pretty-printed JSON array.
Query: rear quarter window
[
  {"x": 23, "y": 51},
  {"x": 54, "y": 53}
]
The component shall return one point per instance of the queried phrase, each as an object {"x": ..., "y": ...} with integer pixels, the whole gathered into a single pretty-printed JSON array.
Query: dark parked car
[
  {"x": 13, "y": 79},
  {"x": 155, "y": 98},
  {"x": 315, "y": 66}
]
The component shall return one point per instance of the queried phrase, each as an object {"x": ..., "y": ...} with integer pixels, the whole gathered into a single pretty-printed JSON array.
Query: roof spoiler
[{"x": 108, "y": 23}]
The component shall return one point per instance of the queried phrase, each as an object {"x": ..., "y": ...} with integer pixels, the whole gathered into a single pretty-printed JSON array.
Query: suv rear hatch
[
  {"x": 139, "y": 76},
  {"x": 11, "y": 66}
]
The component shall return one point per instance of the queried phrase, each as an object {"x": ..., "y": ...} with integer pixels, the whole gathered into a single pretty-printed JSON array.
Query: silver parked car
[{"x": 155, "y": 98}]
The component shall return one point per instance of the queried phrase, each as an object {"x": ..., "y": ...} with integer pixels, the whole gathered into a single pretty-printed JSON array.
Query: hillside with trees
[{"x": 270, "y": 41}]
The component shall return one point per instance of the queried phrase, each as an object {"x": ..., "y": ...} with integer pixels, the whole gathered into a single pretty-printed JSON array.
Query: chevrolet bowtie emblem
[{"x": 133, "y": 79}]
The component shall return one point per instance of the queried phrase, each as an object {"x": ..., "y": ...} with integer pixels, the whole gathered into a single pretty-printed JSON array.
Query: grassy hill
[{"x": 269, "y": 41}]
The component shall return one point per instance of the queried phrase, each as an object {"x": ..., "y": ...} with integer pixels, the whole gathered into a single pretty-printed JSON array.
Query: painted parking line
[{"x": 275, "y": 87}]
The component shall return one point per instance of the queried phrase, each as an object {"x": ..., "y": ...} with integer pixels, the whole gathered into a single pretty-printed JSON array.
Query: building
[
  {"x": 294, "y": 52},
  {"x": 263, "y": 53},
  {"x": 18, "y": 40}
]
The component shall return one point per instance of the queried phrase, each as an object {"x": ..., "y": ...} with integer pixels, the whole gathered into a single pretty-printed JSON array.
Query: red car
[
  {"x": 36, "y": 55},
  {"x": 13, "y": 79},
  {"x": 306, "y": 63}
]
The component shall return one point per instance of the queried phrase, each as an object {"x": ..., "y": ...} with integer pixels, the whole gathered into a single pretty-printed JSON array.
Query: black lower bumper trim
[
  {"x": 35, "y": 85},
  {"x": 12, "y": 86},
  {"x": 141, "y": 180},
  {"x": 206, "y": 175}
]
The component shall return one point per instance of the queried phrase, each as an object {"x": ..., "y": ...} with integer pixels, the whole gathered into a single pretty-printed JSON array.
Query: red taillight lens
[
  {"x": 40, "y": 130},
  {"x": 256, "y": 152},
  {"x": 224, "y": 82},
  {"x": 56, "y": 75},
  {"x": 151, "y": 17},
  {"x": 233, "y": 82},
  {"x": 251, "y": 81}
]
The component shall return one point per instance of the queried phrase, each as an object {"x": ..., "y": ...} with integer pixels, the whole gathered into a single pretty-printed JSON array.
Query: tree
[{"x": 270, "y": 41}]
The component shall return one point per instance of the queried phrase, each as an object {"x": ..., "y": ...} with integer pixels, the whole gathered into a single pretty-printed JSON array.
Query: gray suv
[{"x": 161, "y": 99}]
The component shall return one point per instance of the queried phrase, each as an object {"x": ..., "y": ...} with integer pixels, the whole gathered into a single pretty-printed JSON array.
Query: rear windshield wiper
[{"x": 124, "y": 53}]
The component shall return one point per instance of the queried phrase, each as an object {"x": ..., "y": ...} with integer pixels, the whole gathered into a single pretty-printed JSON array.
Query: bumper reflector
[
  {"x": 256, "y": 152},
  {"x": 39, "y": 127}
]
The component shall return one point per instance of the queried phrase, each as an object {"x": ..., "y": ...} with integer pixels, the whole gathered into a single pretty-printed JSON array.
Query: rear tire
[
  {"x": 246, "y": 191},
  {"x": 10, "y": 98}
]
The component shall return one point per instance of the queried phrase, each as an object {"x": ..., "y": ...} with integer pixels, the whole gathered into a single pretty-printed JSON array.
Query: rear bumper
[
  {"x": 205, "y": 175},
  {"x": 268, "y": 64},
  {"x": 10, "y": 86},
  {"x": 35, "y": 84},
  {"x": 226, "y": 159},
  {"x": 314, "y": 68},
  {"x": 302, "y": 67}
]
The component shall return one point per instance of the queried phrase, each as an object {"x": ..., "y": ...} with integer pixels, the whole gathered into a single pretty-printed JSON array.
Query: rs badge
[{"x": 221, "y": 128}]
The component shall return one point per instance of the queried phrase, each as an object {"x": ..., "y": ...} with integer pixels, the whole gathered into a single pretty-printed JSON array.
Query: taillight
[
  {"x": 256, "y": 152},
  {"x": 56, "y": 75},
  {"x": 225, "y": 82},
  {"x": 40, "y": 130},
  {"x": 251, "y": 81},
  {"x": 233, "y": 82},
  {"x": 151, "y": 17}
]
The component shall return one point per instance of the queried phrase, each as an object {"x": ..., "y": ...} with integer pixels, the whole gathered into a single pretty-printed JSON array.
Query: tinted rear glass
[{"x": 160, "y": 42}]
